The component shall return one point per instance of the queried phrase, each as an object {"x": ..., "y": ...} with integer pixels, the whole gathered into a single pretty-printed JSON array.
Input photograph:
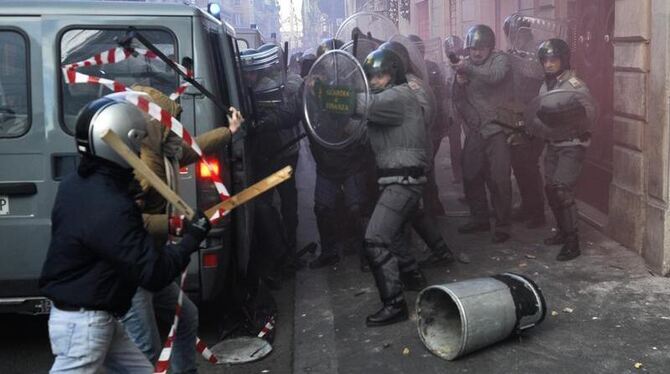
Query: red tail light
[
  {"x": 205, "y": 172},
  {"x": 210, "y": 260}
]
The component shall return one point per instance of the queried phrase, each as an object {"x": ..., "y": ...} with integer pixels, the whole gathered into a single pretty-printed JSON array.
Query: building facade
[{"x": 621, "y": 48}]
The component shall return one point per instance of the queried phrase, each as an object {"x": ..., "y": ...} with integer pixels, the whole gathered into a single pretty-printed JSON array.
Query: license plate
[{"x": 4, "y": 205}]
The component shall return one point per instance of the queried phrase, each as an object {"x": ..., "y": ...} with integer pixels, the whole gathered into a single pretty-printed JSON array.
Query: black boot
[
  {"x": 413, "y": 280},
  {"x": 388, "y": 314},
  {"x": 570, "y": 249}
]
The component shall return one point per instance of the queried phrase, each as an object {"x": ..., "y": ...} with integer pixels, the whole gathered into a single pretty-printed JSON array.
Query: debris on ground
[
  {"x": 405, "y": 351},
  {"x": 568, "y": 310},
  {"x": 386, "y": 345},
  {"x": 531, "y": 257},
  {"x": 638, "y": 365},
  {"x": 554, "y": 313}
]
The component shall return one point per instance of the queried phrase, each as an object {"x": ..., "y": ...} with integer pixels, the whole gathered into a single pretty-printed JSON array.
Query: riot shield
[
  {"x": 335, "y": 84},
  {"x": 363, "y": 47},
  {"x": 370, "y": 24},
  {"x": 417, "y": 62},
  {"x": 527, "y": 32},
  {"x": 561, "y": 114}
]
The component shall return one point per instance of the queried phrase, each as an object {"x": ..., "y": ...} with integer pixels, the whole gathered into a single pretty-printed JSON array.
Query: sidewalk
[{"x": 606, "y": 312}]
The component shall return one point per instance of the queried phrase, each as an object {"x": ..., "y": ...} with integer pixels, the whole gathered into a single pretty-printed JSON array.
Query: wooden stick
[
  {"x": 114, "y": 141},
  {"x": 252, "y": 191}
]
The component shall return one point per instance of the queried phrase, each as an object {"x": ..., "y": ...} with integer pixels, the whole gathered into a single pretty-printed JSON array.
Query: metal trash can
[{"x": 461, "y": 317}]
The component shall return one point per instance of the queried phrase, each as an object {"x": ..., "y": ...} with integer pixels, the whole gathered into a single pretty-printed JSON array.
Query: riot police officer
[
  {"x": 275, "y": 122},
  {"x": 483, "y": 80},
  {"x": 342, "y": 180},
  {"x": 563, "y": 120},
  {"x": 397, "y": 135}
]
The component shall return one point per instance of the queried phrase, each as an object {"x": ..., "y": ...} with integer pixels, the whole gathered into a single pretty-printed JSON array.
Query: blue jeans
[
  {"x": 86, "y": 341},
  {"x": 140, "y": 323}
]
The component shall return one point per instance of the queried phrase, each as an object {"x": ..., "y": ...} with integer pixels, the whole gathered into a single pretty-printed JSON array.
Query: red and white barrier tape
[
  {"x": 163, "y": 363},
  {"x": 153, "y": 110},
  {"x": 269, "y": 325},
  {"x": 166, "y": 119}
]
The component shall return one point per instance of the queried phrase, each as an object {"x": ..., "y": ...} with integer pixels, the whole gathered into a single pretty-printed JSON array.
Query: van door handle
[{"x": 18, "y": 189}]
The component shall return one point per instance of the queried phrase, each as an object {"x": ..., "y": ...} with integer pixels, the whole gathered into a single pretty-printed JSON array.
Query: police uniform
[
  {"x": 486, "y": 154},
  {"x": 564, "y": 157},
  {"x": 397, "y": 134}
]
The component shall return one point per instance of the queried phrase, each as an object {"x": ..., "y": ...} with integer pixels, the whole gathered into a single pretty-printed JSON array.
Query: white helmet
[{"x": 109, "y": 112}]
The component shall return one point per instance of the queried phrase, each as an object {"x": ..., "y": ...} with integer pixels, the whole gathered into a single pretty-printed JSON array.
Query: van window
[
  {"x": 242, "y": 44},
  {"x": 80, "y": 44},
  {"x": 14, "y": 85}
]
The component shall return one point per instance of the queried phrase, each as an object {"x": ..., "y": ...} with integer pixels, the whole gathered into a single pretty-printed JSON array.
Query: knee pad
[
  {"x": 565, "y": 197},
  {"x": 377, "y": 253}
]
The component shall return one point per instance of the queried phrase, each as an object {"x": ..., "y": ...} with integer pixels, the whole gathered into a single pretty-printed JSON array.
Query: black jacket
[{"x": 100, "y": 252}]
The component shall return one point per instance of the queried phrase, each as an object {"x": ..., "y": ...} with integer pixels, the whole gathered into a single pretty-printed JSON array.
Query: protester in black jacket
[{"x": 100, "y": 252}]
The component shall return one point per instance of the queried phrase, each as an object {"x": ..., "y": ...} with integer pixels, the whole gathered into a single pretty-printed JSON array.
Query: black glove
[{"x": 199, "y": 226}]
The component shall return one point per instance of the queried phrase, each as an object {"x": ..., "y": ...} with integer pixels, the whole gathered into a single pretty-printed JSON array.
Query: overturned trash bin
[{"x": 458, "y": 318}]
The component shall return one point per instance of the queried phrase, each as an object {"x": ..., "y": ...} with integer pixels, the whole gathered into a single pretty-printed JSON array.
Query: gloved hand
[{"x": 199, "y": 226}]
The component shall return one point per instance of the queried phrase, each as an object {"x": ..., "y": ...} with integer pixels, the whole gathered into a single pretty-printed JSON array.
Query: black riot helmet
[
  {"x": 555, "y": 48},
  {"x": 384, "y": 61},
  {"x": 328, "y": 45},
  {"x": 453, "y": 44},
  {"x": 418, "y": 42},
  {"x": 480, "y": 36},
  {"x": 400, "y": 51}
]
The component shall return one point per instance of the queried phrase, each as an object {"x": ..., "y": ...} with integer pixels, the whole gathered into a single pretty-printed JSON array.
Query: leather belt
[{"x": 414, "y": 172}]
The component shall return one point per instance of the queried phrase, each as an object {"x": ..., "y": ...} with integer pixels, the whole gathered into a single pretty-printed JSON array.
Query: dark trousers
[
  {"x": 562, "y": 166},
  {"x": 386, "y": 247},
  {"x": 526, "y": 168},
  {"x": 341, "y": 203},
  {"x": 486, "y": 163},
  {"x": 288, "y": 197}
]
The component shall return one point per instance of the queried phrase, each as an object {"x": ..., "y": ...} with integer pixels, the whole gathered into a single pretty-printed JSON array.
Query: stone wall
[
  {"x": 656, "y": 238},
  {"x": 631, "y": 76}
]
